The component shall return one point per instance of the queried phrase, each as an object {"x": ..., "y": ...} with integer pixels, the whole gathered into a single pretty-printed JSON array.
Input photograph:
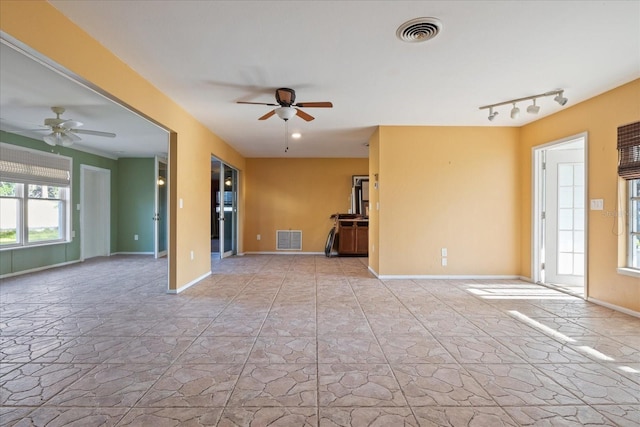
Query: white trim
[
  {"x": 372, "y": 271},
  {"x": 130, "y": 253},
  {"x": 188, "y": 285},
  {"x": 107, "y": 201},
  {"x": 628, "y": 272},
  {"x": 282, "y": 253},
  {"x": 33, "y": 270},
  {"x": 453, "y": 277},
  {"x": 536, "y": 195},
  {"x": 615, "y": 307}
]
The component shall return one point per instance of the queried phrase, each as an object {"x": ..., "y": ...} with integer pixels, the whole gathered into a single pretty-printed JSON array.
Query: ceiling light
[
  {"x": 515, "y": 111},
  {"x": 52, "y": 139},
  {"x": 285, "y": 113},
  {"x": 533, "y": 108},
  {"x": 296, "y": 135},
  {"x": 560, "y": 99}
]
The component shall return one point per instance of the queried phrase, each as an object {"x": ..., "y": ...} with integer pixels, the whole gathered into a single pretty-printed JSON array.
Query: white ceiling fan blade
[
  {"x": 93, "y": 132},
  {"x": 73, "y": 137},
  {"x": 70, "y": 124}
]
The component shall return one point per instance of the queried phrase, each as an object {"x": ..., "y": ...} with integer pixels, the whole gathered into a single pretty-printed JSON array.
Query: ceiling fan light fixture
[
  {"x": 285, "y": 113},
  {"x": 51, "y": 139},
  {"x": 66, "y": 140}
]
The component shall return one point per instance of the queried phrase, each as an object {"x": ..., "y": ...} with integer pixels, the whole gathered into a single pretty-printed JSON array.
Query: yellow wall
[
  {"x": 42, "y": 28},
  {"x": 296, "y": 194},
  {"x": 449, "y": 187},
  {"x": 599, "y": 117}
]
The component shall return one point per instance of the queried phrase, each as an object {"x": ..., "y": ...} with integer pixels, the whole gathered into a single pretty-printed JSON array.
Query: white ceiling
[{"x": 207, "y": 55}]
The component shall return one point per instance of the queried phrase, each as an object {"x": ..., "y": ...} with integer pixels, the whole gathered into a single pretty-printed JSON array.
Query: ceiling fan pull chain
[{"x": 286, "y": 135}]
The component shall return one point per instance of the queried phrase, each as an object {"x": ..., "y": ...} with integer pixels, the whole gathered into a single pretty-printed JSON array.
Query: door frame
[
  {"x": 157, "y": 253},
  {"x": 82, "y": 207},
  {"x": 224, "y": 252},
  {"x": 538, "y": 192}
]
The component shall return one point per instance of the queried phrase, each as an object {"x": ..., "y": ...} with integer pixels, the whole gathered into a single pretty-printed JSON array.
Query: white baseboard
[
  {"x": 33, "y": 270},
  {"x": 445, "y": 277},
  {"x": 372, "y": 271},
  {"x": 614, "y": 307},
  {"x": 188, "y": 285},
  {"x": 284, "y": 253},
  {"x": 131, "y": 253}
]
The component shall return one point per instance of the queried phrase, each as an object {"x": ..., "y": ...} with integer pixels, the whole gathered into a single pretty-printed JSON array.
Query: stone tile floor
[{"x": 307, "y": 341}]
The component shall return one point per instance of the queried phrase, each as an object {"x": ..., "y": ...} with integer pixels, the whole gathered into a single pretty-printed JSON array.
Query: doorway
[
  {"x": 95, "y": 212},
  {"x": 160, "y": 216},
  {"x": 560, "y": 220},
  {"x": 224, "y": 209}
]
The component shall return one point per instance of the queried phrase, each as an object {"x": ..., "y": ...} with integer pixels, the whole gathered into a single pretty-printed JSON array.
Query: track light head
[
  {"x": 492, "y": 114},
  {"x": 560, "y": 99},
  {"x": 515, "y": 111},
  {"x": 533, "y": 108}
]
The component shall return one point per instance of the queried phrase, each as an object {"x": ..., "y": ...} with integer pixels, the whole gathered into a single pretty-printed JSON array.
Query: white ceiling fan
[{"x": 63, "y": 131}]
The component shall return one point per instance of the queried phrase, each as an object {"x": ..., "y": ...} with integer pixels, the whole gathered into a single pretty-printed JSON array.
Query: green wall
[
  {"x": 136, "y": 201},
  {"x": 132, "y": 201}
]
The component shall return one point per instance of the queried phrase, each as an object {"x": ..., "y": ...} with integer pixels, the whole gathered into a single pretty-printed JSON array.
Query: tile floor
[{"x": 307, "y": 341}]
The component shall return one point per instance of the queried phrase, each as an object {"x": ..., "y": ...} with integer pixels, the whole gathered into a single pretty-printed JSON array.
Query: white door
[
  {"x": 95, "y": 212},
  {"x": 564, "y": 249}
]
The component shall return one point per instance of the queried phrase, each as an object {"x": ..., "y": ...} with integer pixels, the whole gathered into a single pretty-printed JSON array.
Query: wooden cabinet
[{"x": 353, "y": 237}]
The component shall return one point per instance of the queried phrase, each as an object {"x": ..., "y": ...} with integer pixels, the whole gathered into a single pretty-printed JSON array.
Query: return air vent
[{"x": 289, "y": 240}]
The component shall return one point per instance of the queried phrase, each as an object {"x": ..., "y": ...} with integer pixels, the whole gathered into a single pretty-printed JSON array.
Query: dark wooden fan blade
[
  {"x": 256, "y": 103},
  {"x": 303, "y": 115},
  {"x": 314, "y": 105},
  {"x": 269, "y": 114}
]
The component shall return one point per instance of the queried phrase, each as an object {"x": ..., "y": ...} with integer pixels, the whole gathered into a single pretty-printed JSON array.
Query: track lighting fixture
[
  {"x": 515, "y": 111},
  {"x": 560, "y": 99},
  {"x": 533, "y": 109}
]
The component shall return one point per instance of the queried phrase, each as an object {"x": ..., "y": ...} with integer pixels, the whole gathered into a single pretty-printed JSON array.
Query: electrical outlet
[
  {"x": 191, "y": 255},
  {"x": 258, "y": 237},
  {"x": 135, "y": 237},
  {"x": 444, "y": 252},
  {"x": 444, "y": 262}
]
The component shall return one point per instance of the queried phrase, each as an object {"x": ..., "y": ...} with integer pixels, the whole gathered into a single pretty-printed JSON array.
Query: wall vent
[{"x": 289, "y": 240}]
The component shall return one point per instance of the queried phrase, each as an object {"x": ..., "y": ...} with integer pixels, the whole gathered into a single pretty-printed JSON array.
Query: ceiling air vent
[{"x": 419, "y": 30}]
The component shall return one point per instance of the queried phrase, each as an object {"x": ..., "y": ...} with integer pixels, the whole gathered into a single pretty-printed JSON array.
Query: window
[
  {"x": 34, "y": 197},
  {"x": 634, "y": 224}
]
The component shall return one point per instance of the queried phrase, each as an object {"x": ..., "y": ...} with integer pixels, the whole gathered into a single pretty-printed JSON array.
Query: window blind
[
  {"x": 34, "y": 167},
  {"x": 629, "y": 151}
]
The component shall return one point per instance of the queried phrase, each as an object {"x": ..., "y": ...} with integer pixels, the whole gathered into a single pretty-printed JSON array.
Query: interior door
[
  {"x": 565, "y": 217},
  {"x": 228, "y": 210},
  {"x": 95, "y": 212},
  {"x": 161, "y": 208}
]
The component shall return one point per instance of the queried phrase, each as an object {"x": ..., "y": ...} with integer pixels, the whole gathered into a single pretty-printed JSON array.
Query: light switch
[{"x": 597, "y": 204}]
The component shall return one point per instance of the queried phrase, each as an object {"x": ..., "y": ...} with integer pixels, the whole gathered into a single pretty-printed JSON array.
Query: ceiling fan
[
  {"x": 63, "y": 131},
  {"x": 286, "y": 99}
]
